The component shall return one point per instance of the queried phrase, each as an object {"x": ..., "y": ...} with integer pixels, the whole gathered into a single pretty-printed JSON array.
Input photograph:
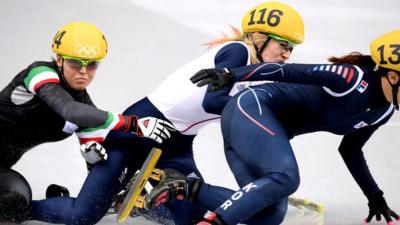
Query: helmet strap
[
  {"x": 62, "y": 67},
  {"x": 260, "y": 51},
  {"x": 395, "y": 89},
  {"x": 62, "y": 73}
]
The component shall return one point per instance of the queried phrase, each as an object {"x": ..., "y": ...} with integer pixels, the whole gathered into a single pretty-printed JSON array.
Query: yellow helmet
[
  {"x": 277, "y": 19},
  {"x": 80, "y": 40},
  {"x": 385, "y": 50}
]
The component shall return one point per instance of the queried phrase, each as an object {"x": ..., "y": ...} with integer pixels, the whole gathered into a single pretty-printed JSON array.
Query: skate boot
[
  {"x": 120, "y": 197},
  {"x": 173, "y": 185},
  {"x": 156, "y": 215}
]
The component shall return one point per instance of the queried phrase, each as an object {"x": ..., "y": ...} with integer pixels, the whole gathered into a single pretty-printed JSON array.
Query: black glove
[
  {"x": 218, "y": 78},
  {"x": 378, "y": 206}
]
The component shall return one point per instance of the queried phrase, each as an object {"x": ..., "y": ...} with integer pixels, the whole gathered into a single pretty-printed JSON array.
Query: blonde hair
[{"x": 249, "y": 39}]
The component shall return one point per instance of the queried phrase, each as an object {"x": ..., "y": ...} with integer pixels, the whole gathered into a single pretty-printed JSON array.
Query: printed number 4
[
  {"x": 58, "y": 37},
  {"x": 273, "y": 18},
  {"x": 395, "y": 52}
]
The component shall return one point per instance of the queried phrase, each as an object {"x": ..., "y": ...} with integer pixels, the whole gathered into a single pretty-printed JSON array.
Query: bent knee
[{"x": 289, "y": 178}]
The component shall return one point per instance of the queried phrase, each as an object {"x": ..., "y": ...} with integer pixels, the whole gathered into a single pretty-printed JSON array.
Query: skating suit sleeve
[
  {"x": 232, "y": 55},
  {"x": 351, "y": 151},
  {"x": 338, "y": 80},
  {"x": 44, "y": 82}
]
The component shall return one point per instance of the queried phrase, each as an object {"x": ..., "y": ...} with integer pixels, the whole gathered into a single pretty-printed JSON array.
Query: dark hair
[{"x": 356, "y": 58}]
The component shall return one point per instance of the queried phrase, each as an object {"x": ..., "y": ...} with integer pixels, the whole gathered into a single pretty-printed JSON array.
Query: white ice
[{"x": 150, "y": 39}]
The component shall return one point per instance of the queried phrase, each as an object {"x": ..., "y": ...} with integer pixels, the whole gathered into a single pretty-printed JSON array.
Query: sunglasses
[
  {"x": 79, "y": 63},
  {"x": 283, "y": 43},
  {"x": 286, "y": 46}
]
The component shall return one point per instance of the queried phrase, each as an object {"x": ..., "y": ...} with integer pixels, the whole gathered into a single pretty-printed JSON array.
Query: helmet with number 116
[
  {"x": 275, "y": 19},
  {"x": 80, "y": 40},
  {"x": 385, "y": 50}
]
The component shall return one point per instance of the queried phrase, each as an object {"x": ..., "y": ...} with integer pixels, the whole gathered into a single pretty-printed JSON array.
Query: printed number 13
[
  {"x": 395, "y": 52},
  {"x": 273, "y": 18}
]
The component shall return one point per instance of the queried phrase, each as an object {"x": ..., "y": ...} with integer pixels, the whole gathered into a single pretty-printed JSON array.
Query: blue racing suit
[{"x": 258, "y": 123}]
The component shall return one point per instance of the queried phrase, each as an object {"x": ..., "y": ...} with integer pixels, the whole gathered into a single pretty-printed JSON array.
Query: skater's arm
[
  {"x": 351, "y": 151},
  {"x": 44, "y": 82},
  {"x": 338, "y": 78},
  {"x": 230, "y": 56}
]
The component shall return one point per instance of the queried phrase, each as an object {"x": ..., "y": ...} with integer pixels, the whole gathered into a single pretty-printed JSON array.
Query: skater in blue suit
[{"x": 352, "y": 97}]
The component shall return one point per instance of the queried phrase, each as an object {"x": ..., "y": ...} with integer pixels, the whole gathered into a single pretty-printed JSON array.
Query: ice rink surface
[{"x": 150, "y": 39}]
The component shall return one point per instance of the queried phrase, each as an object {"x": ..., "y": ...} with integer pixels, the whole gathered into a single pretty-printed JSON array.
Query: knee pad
[{"x": 15, "y": 196}]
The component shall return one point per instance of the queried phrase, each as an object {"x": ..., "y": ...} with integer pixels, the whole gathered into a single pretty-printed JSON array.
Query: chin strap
[
  {"x": 260, "y": 51},
  {"x": 61, "y": 70}
]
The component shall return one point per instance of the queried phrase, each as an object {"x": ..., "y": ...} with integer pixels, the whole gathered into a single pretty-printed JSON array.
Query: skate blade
[{"x": 134, "y": 193}]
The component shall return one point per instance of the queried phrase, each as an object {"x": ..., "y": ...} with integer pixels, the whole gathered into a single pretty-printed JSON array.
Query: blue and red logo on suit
[{"x": 362, "y": 86}]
